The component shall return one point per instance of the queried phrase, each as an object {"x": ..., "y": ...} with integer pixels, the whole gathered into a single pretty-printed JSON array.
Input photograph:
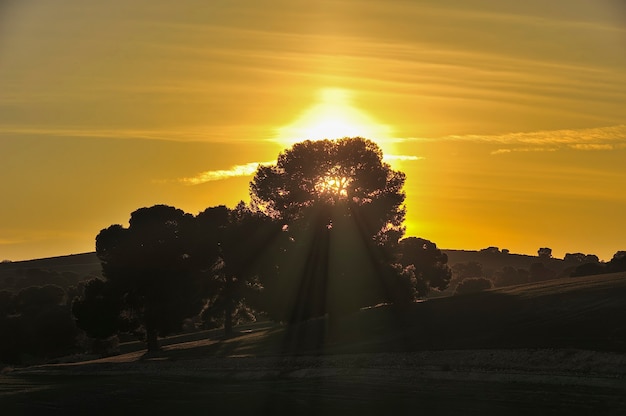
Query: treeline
[{"x": 492, "y": 268}]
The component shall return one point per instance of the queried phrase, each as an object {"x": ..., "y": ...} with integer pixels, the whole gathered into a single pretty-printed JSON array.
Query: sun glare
[
  {"x": 332, "y": 117},
  {"x": 335, "y": 186}
]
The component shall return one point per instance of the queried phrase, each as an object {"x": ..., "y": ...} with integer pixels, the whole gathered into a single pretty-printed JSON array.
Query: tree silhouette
[
  {"x": 36, "y": 321},
  {"x": 473, "y": 285},
  {"x": 617, "y": 262},
  {"x": 99, "y": 311},
  {"x": 580, "y": 258},
  {"x": 429, "y": 264},
  {"x": 151, "y": 282},
  {"x": 544, "y": 252},
  {"x": 341, "y": 208},
  {"x": 240, "y": 236}
]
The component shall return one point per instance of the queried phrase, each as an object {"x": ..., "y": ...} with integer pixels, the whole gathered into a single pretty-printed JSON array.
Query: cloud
[
  {"x": 592, "y": 146},
  {"x": 524, "y": 149},
  {"x": 247, "y": 169},
  {"x": 402, "y": 157},
  {"x": 599, "y": 135},
  {"x": 599, "y": 138}
]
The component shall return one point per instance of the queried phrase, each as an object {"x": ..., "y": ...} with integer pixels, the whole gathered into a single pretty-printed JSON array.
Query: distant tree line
[
  {"x": 615, "y": 265},
  {"x": 473, "y": 275}
]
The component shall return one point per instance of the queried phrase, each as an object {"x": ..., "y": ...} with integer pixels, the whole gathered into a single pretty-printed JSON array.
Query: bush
[{"x": 473, "y": 285}]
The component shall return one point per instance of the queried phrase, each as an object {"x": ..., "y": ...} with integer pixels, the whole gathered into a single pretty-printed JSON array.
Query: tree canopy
[
  {"x": 427, "y": 265},
  {"x": 342, "y": 212},
  {"x": 348, "y": 172},
  {"x": 151, "y": 282}
]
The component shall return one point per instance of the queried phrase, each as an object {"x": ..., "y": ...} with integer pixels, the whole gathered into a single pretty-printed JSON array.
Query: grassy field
[{"x": 551, "y": 348}]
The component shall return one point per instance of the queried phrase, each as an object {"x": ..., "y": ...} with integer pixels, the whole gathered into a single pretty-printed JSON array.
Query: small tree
[
  {"x": 617, "y": 263},
  {"x": 429, "y": 264},
  {"x": 473, "y": 285},
  {"x": 544, "y": 253}
]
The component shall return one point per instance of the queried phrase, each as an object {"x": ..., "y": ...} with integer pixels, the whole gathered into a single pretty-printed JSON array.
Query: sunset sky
[{"x": 508, "y": 117}]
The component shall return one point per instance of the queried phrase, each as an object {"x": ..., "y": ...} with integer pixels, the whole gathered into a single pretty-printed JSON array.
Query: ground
[
  {"x": 552, "y": 348},
  {"x": 485, "y": 382}
]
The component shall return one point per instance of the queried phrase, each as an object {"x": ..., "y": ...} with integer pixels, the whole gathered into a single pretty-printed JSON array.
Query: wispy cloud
[
  {"x": 599, "y": 138},
  {"x": 402, "y": 157},
  {"x": 190, "y": 134},
  {"x": 592, "y": 146},
  {"x": 599, "y": 135},
  {"x": 524, "y": 149},
  {"x": 247, "y": 169}
]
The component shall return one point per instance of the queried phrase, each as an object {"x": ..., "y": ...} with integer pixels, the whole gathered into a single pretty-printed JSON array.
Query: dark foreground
[
  {"x": 521, "y": 382},
  {"x": 552, "y": 348}
]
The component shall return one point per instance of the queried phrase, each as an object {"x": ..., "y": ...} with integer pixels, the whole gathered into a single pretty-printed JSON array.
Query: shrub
[{"x": 473, "y": 285}]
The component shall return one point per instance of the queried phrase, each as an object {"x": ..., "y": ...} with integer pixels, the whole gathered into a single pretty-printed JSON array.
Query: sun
[{"x": 332, "y": 117}]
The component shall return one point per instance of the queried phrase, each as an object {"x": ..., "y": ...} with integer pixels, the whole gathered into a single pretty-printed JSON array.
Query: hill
[
  {"x": 494, "y": 260},
  {"x": 83, "y": 263},
  {"x": 62, "y": 270}
]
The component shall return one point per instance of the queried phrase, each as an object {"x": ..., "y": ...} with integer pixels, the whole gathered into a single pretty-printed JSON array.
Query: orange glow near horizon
[{"x": 508, "y": 118}]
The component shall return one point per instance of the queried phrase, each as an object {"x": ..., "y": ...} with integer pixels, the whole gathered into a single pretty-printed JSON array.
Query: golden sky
[{"x": 509, "y": 118}]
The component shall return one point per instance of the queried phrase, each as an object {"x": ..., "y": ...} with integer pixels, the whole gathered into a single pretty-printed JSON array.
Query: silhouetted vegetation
[
  {"x": 615, "y": 265},
  {"x": 473, "y": 285},
  {"x": 509, "y": 276},
  {"x": 241, "y": 237},
  {"x": 544, "y": 253},
  {"x": 36, "y": 322},
  {"x": 151, "y": 282},
  {"x": 321, "y": 238},
  {"x": 426, "y": 265},
  {"x": 341, "y": 210}
]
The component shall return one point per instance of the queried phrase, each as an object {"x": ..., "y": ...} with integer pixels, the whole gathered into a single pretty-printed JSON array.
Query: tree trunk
[
  {"x": 152, "y": 340},
  {"x": 228, "y": 307},
  {"x": 228, "y": 318}
]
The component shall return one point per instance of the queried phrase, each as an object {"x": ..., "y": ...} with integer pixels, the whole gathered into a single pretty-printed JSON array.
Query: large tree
[
  {"x": 152, "y": 278},
  {"x": 342, "y": 213}
]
